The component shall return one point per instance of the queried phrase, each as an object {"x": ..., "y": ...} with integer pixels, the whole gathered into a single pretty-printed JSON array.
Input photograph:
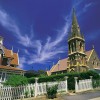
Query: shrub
[
  {"x": 16, "y": 80},
  {"x": 52, "y": 91}
]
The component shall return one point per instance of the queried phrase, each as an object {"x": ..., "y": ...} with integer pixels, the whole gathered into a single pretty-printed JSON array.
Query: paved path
[{"x": 84, "y": 96}]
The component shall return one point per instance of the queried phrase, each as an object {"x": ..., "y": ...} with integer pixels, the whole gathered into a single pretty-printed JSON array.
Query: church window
[
  {"x": 93, "y": 62},
  {"x": 80, "y": 45},
  {"x": 72, "y": 47}
]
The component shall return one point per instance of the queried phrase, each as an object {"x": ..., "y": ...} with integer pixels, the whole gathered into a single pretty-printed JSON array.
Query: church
[
  {"x": 79, "y": 60},
  {"x": 8, "y": 62}
]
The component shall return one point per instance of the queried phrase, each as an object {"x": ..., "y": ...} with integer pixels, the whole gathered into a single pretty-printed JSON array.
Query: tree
[
  {"x": 16, "y": 80},
  {"x": 33, "y": 73}
]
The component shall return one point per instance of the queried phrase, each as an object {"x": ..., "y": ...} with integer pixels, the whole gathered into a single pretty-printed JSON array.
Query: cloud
[
  {"x": 87, "y": 6},
  {"x": 43, "y": 52},
  {"x": 76, "y": 3},
  {"x": 22, "y": 61},
  {"x": 8, "y": 22},
  {"x": 51, "y": 48}
]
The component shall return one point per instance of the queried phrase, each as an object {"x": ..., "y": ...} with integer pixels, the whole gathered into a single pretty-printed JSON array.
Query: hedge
[{"x": 71, "y": 81}]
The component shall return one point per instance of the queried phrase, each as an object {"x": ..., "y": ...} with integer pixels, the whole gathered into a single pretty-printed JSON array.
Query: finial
[
  {"x": 73, "y": 12},
  {"x": 92, "y": 46},
  {"x": 59, "y": 61},
  {"x": 73, "y": 9},
  {"x": 59, "y": 58},
  {"x": 18, "y": 51},
  {"x": 12, "y": 50},
  {"x": 53, "y": 63}
]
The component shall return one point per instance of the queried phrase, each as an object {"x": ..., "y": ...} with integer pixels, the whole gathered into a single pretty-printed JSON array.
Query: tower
[{"x": 76, "y": 48}]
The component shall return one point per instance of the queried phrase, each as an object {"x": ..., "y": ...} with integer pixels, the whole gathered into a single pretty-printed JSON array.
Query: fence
[
  {"x": 13, "y": 93},
  {"x": 83, "y": 85},
  {"x": 40, "y": 88}
]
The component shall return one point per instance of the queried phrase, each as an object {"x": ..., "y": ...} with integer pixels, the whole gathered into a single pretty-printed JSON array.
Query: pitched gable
[
  {"x": 93, "y": 60},
  {"x": 60, "y": 66}
]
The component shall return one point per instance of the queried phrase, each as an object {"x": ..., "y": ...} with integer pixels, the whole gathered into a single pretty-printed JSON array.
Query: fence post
[
  {"x": 76, "y": 85},
  {"x": 66, "y": 77},
  {"x": 91, "y": 82},
  {"x": 36, "y": 85}
]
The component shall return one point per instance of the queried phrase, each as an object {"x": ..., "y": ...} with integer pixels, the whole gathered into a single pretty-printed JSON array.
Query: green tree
[{"x": 16, "y": 80}]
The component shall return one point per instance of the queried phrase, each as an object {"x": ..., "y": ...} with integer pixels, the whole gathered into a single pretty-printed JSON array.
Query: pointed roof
[
  {"x": 74, "y": 19},
  {"x": 75, "y": 30},
  {"x": 15, "y": 61},
  {"x": 60, "y": 66},
  {"x": 89, "y": 53},
  {"x": 13, "y": 56},
  {"x": 7, "y": 53}
]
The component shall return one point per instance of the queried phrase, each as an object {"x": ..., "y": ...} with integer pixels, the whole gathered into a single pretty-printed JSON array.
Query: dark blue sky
[{"x": 39, "y": 28}]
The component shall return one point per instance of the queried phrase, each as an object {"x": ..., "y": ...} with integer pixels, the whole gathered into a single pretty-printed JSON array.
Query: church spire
[{"x": 75, "y": 30}]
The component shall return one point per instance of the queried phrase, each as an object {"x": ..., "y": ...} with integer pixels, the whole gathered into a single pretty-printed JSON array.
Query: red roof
[
  {"x": 61, "y": 65},
  {"x": 15, "y": 60},
  {"x": 7, "y": 53},
  {"x": 10, "y": 54}
]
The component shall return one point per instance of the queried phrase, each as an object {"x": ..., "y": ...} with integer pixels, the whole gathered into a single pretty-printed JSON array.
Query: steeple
[
  {"x": 76, "y": 47},
  {"x": 75, "y": 30}
]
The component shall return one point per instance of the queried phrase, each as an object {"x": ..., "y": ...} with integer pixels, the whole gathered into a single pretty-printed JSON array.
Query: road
[{"x": 84, "y": 96}]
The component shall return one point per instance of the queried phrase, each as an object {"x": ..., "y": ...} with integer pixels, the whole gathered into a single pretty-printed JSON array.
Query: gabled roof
[
  {"x": 7, "y": 53},
  {"x": 10, "y": 68},
  {"x": 89, "y": 53},
  {"x": 10, "y": 54},
  {"x": 15, "y": 61},
  {"x": 60, "y": 66}
]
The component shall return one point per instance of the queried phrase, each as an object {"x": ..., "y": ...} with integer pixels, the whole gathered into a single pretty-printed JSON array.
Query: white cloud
[
  {"x": 51, "y": 48},
  {"x": 87, "y": 6},
  {"x": 8, "y": 22},
  {"x": 22, "y": 61},
  {"x": 43, "y": 52}
]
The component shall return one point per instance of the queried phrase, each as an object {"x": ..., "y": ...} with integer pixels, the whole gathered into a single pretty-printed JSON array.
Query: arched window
[{"x": 80, "y": 45}]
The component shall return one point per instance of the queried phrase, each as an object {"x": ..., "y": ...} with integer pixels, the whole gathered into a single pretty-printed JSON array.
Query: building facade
[
  {"x": 9, "y": 62},
  {"x": 79, "y": 59}
]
